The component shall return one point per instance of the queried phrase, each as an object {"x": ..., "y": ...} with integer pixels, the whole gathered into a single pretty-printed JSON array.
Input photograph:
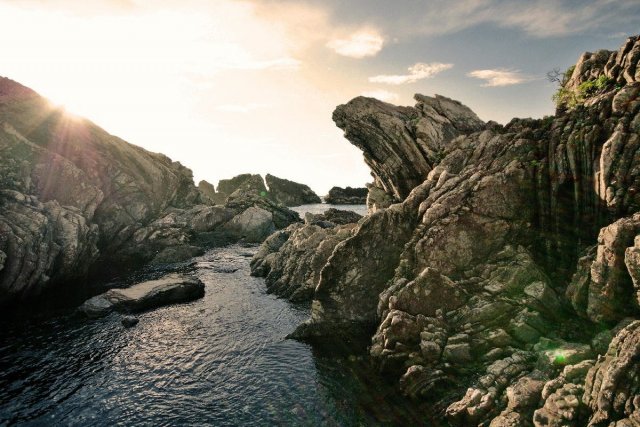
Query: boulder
[
  {"x": 253, "y": 225},
  {"x": 170, "y": 289},
  {"x": 290, "y": 193}
]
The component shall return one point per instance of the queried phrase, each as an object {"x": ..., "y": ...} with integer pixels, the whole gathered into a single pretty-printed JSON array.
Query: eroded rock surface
[{"x": 508, "y": 262}]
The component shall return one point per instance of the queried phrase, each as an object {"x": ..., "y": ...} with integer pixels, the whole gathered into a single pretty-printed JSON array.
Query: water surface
[{"x": 221, "y": 360}]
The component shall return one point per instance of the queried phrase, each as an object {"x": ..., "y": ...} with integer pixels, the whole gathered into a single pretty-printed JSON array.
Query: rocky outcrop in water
[
  {"x": 170, "y": 289},
  {"x": 509, "y": 263},
  {"x": 75, "y": 200},
  {"x": 347, "y": 196},
  {"x": 290, "y": 193}
]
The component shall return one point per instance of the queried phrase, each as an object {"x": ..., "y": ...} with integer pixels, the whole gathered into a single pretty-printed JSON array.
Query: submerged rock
[{"x": 170, "y": 289}]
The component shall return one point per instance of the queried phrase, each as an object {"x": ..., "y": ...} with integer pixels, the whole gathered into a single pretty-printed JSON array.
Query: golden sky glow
[{"x": 235, "y": 86}]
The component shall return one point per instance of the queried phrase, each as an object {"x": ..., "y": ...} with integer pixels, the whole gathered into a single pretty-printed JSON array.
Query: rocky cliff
[
  {"x": 497, "y": 283},
  {"x": 75, "y": 199}
]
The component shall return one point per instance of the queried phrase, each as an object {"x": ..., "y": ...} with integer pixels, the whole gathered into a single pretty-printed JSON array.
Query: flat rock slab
[{"x": 170, "y": 289}]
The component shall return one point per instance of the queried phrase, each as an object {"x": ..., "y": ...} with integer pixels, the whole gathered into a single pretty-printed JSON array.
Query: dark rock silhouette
[
  {"x": 347, "y": 196},
  {"x": 290, "y": 193}
]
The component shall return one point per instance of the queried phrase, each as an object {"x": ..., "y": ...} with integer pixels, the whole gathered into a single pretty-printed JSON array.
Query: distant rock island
[
  {"x": 499, "y": 274},
  {"x": 347, "y": 196}
]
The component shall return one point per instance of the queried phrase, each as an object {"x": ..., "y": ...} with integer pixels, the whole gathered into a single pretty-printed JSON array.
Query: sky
[{"x": 229, "y": 86}]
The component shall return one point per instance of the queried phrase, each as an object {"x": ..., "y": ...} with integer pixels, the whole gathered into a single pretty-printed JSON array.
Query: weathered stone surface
[
  {"x": 604, "y": 292},
  {"x": 252, "y": 225},
  {"x": 377, "y": 199},
  {"x": 402, "y": 144},
  {"x": 347, "y": 196},
  {"x": 468, "y": 275},
  {"x": 244, "y": 182},
  {"x": 170, "y": 289},
  {"x": 612, "y": 386},
  {"x": 290, "y": 193}
]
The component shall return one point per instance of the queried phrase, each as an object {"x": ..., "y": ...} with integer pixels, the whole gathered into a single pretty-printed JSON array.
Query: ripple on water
[{"x": 221, "y": 360}]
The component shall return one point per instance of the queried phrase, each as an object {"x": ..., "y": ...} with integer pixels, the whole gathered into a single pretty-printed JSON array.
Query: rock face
[
  {"x": 347, "y": 196},
  {"x": 243, "y": 182},
  {"x": 401, "y": 144},
  {"x": 290, "y": 193},
  {"x": 75, "y": 200},
  {"x": 291, "y": 259},
  {"x": 170, "y": 289},
  {"x": 505, "y": 267}
]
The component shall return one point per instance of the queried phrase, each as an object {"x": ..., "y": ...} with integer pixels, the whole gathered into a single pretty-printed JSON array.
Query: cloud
[
  {"x": 499, "y": 77},
  {"x": 358, "y": 45},
  {"x": 538, "y": 18},
  {"x": 417, "y": 72},
  {"x": 382, "y": 95}
]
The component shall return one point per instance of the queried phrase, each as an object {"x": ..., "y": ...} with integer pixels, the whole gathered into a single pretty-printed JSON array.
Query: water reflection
[{"x": 221, "y": 360}]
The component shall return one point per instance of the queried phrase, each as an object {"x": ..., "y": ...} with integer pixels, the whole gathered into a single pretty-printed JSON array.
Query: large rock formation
[
  {"x": 510, "y": 262},
  {"x": 75, "y": 199},
  {"x": 290, "y": 193},
  {"x": 347, "y": 196}
]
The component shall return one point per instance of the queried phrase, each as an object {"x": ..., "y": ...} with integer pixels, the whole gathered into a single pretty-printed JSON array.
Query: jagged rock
[
  {"x": 170, "y": 289},
  {"x": 498, "y": 216},
  {"x": 612, "y": 386},
  {"x": 347, "y": 196},
  {"x": 377, "y": 199},
  {"x": 401, "y": 159},
  {"x": 208, "y": 194},
  {"x": 244, "y": 182},
  {"x": 290, "y": 193},
  {"x": 291, "y": 261},
  {"x": 604, "y": 292}
]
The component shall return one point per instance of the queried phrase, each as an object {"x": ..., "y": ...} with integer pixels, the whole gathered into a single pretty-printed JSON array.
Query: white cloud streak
[
  {"x": 499, "y": 77},
  {"x": 538, "y": 18},
  {"x": 358, "y": 45},
  {"x": 417, "y": 72}
]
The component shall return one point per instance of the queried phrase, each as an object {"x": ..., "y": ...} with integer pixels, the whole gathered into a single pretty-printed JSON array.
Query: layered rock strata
[{"x": 509, "y": 262}]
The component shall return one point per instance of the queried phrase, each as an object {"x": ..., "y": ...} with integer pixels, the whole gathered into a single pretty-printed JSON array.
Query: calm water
[
  {"x": 319, "y": 208},
  {"x": 221, "y": 360}
]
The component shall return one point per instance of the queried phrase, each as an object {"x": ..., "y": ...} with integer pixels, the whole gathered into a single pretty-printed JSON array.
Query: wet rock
[
  {"x": 129, "y": 321},
  {"x": 170, "y": 289}
]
